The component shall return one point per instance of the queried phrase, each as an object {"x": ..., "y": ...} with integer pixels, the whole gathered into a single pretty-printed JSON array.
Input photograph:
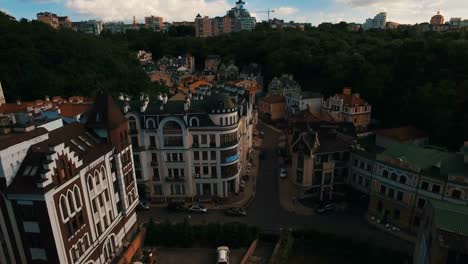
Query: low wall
[{"x": 250, "y": 251}]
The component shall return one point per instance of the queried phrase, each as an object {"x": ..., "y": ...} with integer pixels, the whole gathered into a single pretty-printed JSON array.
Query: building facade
[
  {"x": 69, "y": 195},
  {"x": 272, "y": 106},
  {"x": 237, "y": 19},
  {"x": 400, "y": 180},
  {"x": 284, "y": 85},
  {"x": 378, "y": 22},
  {"x": 192, "y": 148},
  {"x": 350, "y": 107},
  {"x": 154, "y": 23},
  {"x": 92, "y": 27},
  {"x": 437, "y": 20},
  {"x": 49, "y": 18},
  {"x": 296, "y": 102}
]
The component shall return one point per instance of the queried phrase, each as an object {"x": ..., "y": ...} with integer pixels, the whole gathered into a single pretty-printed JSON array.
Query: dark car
[
  {"x": 176, "y": 207},
  {"x": 325, "y": 208},
  {"x": 236, "y": 212}
]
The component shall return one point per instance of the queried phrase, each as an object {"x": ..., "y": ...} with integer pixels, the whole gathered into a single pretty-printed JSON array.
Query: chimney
[
  {"x": 47, "y": 98},
  {"x": 18, "y": 102},
  {"x": 121, "y": 97},
  {"x": 347, "y": 91}
]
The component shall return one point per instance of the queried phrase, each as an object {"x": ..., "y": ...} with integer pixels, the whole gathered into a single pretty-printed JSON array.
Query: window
[
  {"x": 435, "y": 188},
  {"x": 403, "y": 179},
  {"x": 181, "y": 157},
  {"x": 194, "y": 121},
  {"x": 421, "y": 203},
  {"x": 214, "y": 172},
  {"x": 132, "y": 124},
  {"x": 135, "y": 141},
  {"x": 156, "y": 174},
  {"x": 150, "y": 124},
  {"x": 204, "y": 155},
  {"x": 391, "y": 193},
  {"x": 367, "y": 183},
  {"x": 399, "y": 196},
  {"x": 396, "y": 214},
  {"x": 355, "y": 162},
  {"x": 368, "y": 167},
  {"x": 383, "y": 189},
  {"x": 197, "y": 172},
  {"x": 385, "y": 173},
  {"x": 63, "y": 207},
  {"x": 168, "y": 156},
  {"x": 90, "y": 183},
  {"x": 379, "y": 206},
  {"x": 213, "y": 155},
  {"x": 425, "y": 186},
  {"x": 195, "y": 139},
  {"x": 393, "y": 177},
  {"x": 456, "y": 194},
  {"x": 174, "y": 157},
  {"x": 212, "y": 140},
  {"x": 204, "y": 139},
  {"x": 196, "y": 155},
  {"x": 76, "y": 193},
  {"x": 417, "y": 221},
  {"x": 158, "y": 189},
  {"x": 221, "y": 121},
  {"x": 152, "y": 141},
  {"x": 205, "y": 170}
]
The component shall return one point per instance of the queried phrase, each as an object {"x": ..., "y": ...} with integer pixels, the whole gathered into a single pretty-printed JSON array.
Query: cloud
[
  {"x": 170, "y": 10},
  {"x": 286, "y": 10}
]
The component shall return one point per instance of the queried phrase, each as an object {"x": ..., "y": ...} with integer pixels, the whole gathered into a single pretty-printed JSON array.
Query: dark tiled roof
[
  {"x": 402, "y": 134},
  {"x": 75, "y": 136},
  {"x": 9, "y": 140},
  {"x": 104, "y": 112}
]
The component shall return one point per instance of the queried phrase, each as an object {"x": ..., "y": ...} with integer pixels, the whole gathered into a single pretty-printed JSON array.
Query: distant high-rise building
[
  {"x": 93, "y": 27},
  {"x": 236, "y": 19},
  {"x": 154, "y": 23},
  {"x": 114, "y": 27},
  {"x": 455, "y": 22},
  {"x": 437, "y": 20},
  {"x": 378, "y": 22}
]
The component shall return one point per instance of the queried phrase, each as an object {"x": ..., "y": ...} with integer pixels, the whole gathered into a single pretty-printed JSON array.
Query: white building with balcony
[{"x": 192, "y": 148}]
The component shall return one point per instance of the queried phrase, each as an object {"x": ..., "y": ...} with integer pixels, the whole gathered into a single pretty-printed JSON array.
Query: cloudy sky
[{"x": 314, "y": 11}]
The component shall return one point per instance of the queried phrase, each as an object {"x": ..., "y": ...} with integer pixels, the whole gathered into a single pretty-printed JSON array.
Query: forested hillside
[
  {"x": 409, "y": 77},
  {"x": 36, "y": 60}
]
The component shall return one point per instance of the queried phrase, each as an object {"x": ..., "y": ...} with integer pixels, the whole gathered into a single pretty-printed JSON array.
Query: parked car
[
  {"x": 283, "y": 173},
  {"x": 223, "y": 255},
  {"x": 143, "y": 206},
  {"x": 176, "y": 207},
  {"x": 197, "y": 209},
  {"x": 236, "y": 212},
  {"x": 324, "y": 208}
]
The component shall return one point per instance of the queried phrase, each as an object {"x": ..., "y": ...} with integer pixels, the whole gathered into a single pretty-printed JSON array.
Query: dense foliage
[
  {"x": 409, "y": 77},
  {"x": 36, "y": 60},
  {"x": 185, "y": 235}
]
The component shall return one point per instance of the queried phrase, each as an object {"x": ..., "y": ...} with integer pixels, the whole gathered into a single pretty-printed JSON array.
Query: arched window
[
  {"x": 150, "y": 124},
  {"x": 76, "y": 192},
  {"x": 71, "y": 203},
  {"x": 403, "y": 179},
  {"x": 90, "y": 182},
  {"x": 103, "y": 174},
  {"x": 393, "y": 176},
  {"x": 63, "y": 207},
  {"x": 194, "y": 122},
  {"x": 96, "y": 177},
  {"x": 456, "y": 194},
  {"x": 172, "y": 127},
  {"x": 385, "y": 173}
]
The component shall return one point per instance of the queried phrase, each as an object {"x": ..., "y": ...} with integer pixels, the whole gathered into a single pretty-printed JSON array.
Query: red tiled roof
[
  {"x": 10, "y": 108},
  {"x": 72, "y": 110},
  {"x": 352, "y": 100},
  {"x": 402, "y": 134}
]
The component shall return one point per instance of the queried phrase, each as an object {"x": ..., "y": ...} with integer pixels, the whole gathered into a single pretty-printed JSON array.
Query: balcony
[{"x": 175, "y": 179}]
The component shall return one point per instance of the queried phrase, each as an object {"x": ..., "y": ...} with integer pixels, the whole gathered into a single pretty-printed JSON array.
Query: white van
[{"x": 223, "y": 255}]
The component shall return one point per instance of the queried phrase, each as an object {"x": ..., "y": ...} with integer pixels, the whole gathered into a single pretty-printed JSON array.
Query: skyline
[{"x": 316, "y": 12}]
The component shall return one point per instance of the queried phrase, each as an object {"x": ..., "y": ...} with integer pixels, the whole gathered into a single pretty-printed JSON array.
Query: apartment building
[
  {"x": 296, "y": 102},
  {"x": 67, "y": 194},
  {"x": 191, "y": 147},
  {"x": 92, "y": 27},
  {"x": 48, "y": 18},
  {"x": 349, "y": 107},
  {"x": 154, "y": 23},
  {"x": 400, "y": 179},
  {"x": 284, "y": 85}
]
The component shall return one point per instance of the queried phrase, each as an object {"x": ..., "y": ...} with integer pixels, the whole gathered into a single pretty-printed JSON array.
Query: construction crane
[{"x": 268, "y": 11}]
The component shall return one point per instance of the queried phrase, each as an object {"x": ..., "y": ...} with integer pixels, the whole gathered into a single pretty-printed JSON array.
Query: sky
[{"x": 312, "y": 11}]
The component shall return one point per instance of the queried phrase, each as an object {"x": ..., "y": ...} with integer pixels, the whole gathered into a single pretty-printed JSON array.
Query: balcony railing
[{"x": 175, "y": 179}]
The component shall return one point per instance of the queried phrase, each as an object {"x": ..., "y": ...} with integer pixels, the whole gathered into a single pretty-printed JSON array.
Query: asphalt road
[{"x": 266, "y": 211}]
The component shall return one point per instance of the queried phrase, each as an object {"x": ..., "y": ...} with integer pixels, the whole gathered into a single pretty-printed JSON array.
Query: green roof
[{"x": 450, "y": 217}]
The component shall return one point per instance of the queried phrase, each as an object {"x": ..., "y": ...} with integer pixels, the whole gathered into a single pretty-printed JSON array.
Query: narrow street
[{"x": 267, "y": 213}]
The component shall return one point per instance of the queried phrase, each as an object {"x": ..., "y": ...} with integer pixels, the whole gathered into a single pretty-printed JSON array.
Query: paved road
[{"x": 266, "y": 211}]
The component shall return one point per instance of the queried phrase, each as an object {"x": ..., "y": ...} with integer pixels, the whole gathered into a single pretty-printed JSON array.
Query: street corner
[{"x": 288, "y": 197}]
